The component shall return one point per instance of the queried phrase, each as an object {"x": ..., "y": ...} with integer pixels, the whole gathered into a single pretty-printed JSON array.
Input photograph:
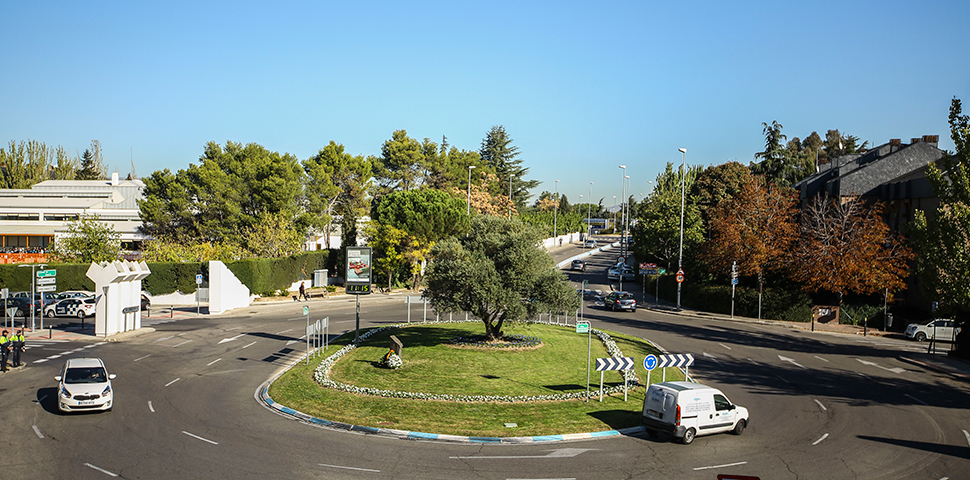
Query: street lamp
[
  {"x": 614, "y": 213},
  {"x": 589, "y": 207},
  {"x": 468, "y": 209},
  {"x": 626, "y": 215},
  {"x": 680, "y": 259},
  {"x": 622, "y": 192},
  {"x": 555, "y": 217},
  {"x": 33, "y": 282}
]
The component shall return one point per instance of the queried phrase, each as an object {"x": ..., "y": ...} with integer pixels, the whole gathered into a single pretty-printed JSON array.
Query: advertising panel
[{"x": 359, "y": 270}]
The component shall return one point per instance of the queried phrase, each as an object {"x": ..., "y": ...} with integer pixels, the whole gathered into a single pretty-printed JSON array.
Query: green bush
[
  {"x": 857, "y": 314},
  {"x": 169, "y": 277},
  {"x": 266, "y": 276},
  {"x": 70, "y": 276},
  {"x": 778, "y": 304}
]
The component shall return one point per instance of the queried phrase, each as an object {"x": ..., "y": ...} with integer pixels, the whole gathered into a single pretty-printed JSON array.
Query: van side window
[{"x": 721, "y": 403}]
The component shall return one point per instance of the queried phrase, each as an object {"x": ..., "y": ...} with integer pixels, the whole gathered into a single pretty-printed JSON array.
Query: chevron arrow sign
[
  {"x": 625, "y": 363},
  {"x": 676, "y": 360}
]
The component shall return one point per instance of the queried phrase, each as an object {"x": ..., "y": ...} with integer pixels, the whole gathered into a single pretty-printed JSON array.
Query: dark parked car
[
  {"x": 146, "y": 303},
  {"x": 620, "y": 301},
  {"x": 578, "y": 265},
  {"x": 21, "y": 304}
]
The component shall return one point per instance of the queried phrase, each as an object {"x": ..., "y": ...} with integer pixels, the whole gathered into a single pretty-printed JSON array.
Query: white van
[{"x": 686, "y": 410}]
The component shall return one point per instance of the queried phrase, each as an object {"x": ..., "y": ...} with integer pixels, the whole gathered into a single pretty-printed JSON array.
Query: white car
[
  {"x": 615, "y": 271},
  {"x": 590, "y": 244},
  {"x": 84, "y": 384},
  {"x": 79, "y": 307},
  {"x": 942, "y": 329},
  {"x": 686, "y": 410}
]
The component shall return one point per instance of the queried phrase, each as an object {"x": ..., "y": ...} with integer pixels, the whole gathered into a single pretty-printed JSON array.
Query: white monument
[{"x": 119, "y": 285}]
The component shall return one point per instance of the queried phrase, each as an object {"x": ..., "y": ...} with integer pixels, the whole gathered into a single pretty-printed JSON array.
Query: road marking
[
  {"x": 173, "y": 381},
  {"x": 40, "y": 361},
  {"x": 41, "y": 435},
  {"x": 251, "y": 344},
  {"x": 284, "y": 331},
  {"x": 141, "y": 358},
  {"x": 54, "y": 356},
  {"x": 231, "y": 329},
  {"x": 224, "y": 340},
  {"x": 782, "y": 379},
  {"x": 820, "y": 404},
  {"x": 164, "y": 338},
  {"x": 965, "y": 434},
  {"x": 712, "y": 357},
  {"x": 721, "y": 466},
  {"x": 896, "y": 370},
  {"x": 725, "y": 346},
  {"x": 822, "y": 359},
  {"x": 863, "y": 375},
  {"x": 150, "y": 407},
  {"x": 102, "y": 470},
  {"x": 557, "y": 453},
  {"x": 200, "y": 438},
  {"x": 786, "y": 359},
  {"x": 918, "y": 400},
  {"x": 183, "y": 333},
  {"x": 349, "y": 468},
  {"x": 816, "y": 442},
  {"x": 214, "y": 361},
  {"x": 752, "y": 361},
  {"x": 183, "y": 343}
]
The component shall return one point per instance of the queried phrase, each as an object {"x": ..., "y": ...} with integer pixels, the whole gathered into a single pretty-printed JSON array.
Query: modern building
[{"x": 32, "y": 219}]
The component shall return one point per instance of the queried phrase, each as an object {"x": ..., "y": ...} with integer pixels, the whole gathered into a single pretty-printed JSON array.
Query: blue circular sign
[{"x": 650, "y": 362}]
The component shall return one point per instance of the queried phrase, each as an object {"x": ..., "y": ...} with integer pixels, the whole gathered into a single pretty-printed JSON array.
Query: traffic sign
[
  {"x": 622, "y": 363},
  {"x": 47, "y": 288},
  {"x": 198, "y": 279},
  {"x": 676, "y": 360},
  {"x": 620, "y": 259},
  {"x": 648, "y": 266},
  {"x": 734, "y": 281},
  {"x": 306, "y": 309},
  {"x": 650, "y": 362},
  {"x": 661, "y": 271},
  {"x": 47, "y": 281},
  {"x": 648, "y": 272},
  {"x": 582, "y": 327},
  {"x": 680, "y": 277},
  {"x": 46, "y": 273}
]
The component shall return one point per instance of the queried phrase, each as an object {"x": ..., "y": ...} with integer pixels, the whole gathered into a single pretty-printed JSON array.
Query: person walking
[
  {"x": 18, "y": 346},
  {"x": 4, "y": 348},
  {"x": 302, "y": 292}
]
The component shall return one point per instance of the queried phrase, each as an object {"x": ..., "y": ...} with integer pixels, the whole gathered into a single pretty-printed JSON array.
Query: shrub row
[{"x": 777, "y": 304}]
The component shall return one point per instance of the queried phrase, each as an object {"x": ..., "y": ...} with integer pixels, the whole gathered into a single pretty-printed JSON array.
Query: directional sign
[
  {"x": 648, "y": 272},
  {"x": 676, "y": 360},
  {"x": 661, "y": 271},
  {"x": 46, "y": 273},
  {"x": 47, "y": 281},
  {"x": 47, "y": 288},
  {"x": 306, "y": 309},
  {"x": 650, "y": 362},
  {"x": 623, "y": 363},
  {"x": 648, "y": 266},
  {"x": 734, "y": 281},
  {"x": 582, "y": 327}
]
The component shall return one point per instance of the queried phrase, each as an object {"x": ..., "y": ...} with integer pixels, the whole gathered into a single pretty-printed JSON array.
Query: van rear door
[{"x": 660, "y": 404}]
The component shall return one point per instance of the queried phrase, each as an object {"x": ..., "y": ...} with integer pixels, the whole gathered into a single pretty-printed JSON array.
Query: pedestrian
[
  {"x": 302, "y": 292},
  {"x": 19, "y": 345},
  {"x": 4, "y": 348}
]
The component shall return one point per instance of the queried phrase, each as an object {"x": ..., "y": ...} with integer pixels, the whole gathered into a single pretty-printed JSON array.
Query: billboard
[{"x": 359, "y": 270}]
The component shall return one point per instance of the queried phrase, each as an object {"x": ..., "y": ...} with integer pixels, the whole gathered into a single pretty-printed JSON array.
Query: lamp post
[
  {"x": 589, "y": 207},
  {"x": 468, "y": 209},
  {"x": 555, "y": 216},
  {"x": 626, "y": 214},
  {"x": 614, "y": 213},
  {"x": 33, "y": 282},
  {"x": 622, "y": 192},
  {"x": 680, "y": 259}
]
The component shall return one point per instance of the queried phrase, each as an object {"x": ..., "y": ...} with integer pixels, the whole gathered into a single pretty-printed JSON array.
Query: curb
[{"x": 936, "y": 368}]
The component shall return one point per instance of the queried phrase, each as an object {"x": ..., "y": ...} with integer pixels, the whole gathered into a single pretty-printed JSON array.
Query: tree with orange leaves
[
  {"x": 753, "y": 228},
  {"x": 846, "y": 247}
]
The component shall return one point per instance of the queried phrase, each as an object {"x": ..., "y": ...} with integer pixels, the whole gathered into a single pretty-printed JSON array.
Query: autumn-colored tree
[
  {"x": 846, "y": 247},
  {"x": 484, "y": 202},
  {"x": 754, "y": 228}
]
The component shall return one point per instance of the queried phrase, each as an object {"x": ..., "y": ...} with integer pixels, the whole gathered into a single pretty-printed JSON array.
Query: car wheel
[
  {"x": 920, "y": 336},
  {"x": 739, "y": 428},
  {"x": 614, "y": 307},
  {"x": 50, "y": 314},
  {"x": 20, "y": 313},
  {"x": 688, "y": 436},
  {"x": 634, "y": 310},
  {"x": 80, "y": 314}
]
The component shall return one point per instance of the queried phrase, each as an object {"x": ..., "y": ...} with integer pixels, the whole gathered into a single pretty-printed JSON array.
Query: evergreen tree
[{"x": 498, "y": 153}]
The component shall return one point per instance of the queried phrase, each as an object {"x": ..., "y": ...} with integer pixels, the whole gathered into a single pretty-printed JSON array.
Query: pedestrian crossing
[{"x": 67, "y": 353}]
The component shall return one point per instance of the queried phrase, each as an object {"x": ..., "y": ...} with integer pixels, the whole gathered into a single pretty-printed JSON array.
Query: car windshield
[
  {"x": 624, "y": 296},
  {"x": 86, "y": 375}
]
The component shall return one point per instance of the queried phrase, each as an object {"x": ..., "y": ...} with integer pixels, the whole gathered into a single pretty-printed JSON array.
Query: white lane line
[
  {"x": 101, "y": 470},
  {"x": 100, "y": 343},
  {"x": 820, "y": 405},
  {"x": 863, "y": 375},
  {"x": 791, "y": 361},
  {"x": 89, "y": 346},
  {"x": 725, "y": 346},
  {"x": 183, "y": 343},
  {"x": 37, "y": 431},
  {"x": 251, "y": 344},
  {"x": 150, "y": 407},
  {"x": 284, "y": 331},
  {"x": 721, "y": 466},
  {"x": 782, "y": 379},
  {"x": 816, "y": 442},
  {"x": 712, "y": 357},
  {"x": 200, "y": 438},
  {"x": 214, "y": 361},
  {"x": 965, "y": 434},
  {"x": 224, "y": 340},
  {"x": 918, "y": 400},
  {"x": 752, "y": 361},
  {"x": 164, "y": 338},
  {"x": 349, "y": 468},
  {"x": 142, "y": 358},
  {"x": 822, "y": 359},
  {"x": 40, "y": 361},
  {"x": 173, "y": 381},
  {"x": 54, "y": 356},
  {"x": 231, "y": 329},
  {"x": 183, "y": 333}
]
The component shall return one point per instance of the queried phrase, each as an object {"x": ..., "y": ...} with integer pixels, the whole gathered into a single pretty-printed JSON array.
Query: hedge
[{"x": 778, "y": 304}]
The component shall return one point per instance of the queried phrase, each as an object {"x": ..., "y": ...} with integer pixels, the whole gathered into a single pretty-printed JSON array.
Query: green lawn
[{"x": 433, "y": 365}]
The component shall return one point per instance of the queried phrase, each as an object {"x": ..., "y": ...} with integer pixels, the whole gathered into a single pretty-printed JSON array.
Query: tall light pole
[
  {"x": 680, "y": 259},
  {"x": 622, "y": 192},
  {"x": 33, "y": 282},
  {"x": 614, "y": 213},
  {"x": 555, "y": 217},
  {"x": 626, "y": 215},
  {"x": 589, "y": 207},
  {"x": 468, "y": 209}
]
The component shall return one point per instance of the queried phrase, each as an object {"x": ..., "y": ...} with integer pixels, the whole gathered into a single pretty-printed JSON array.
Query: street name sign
[
  {"x": 47, "y": 281},
  {"x": 582, "y": 327},
  {"x": 47, "y": 288},
  {"x": 46, "y": 273}
]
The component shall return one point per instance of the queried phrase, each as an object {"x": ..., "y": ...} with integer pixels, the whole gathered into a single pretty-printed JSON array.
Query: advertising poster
[{"x": 359, "y": 267}]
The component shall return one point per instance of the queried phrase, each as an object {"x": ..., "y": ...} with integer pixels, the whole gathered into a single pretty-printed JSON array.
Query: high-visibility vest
[
  {"x": 18, "y": 339},
  {"x": 3, "y": 343}
]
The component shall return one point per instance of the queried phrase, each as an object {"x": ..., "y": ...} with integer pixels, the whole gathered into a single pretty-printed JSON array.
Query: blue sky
[{"x": 581, "y": 87}]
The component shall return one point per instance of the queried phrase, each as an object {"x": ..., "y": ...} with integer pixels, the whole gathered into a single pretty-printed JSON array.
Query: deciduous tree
[{"x": 87, "y": 240}]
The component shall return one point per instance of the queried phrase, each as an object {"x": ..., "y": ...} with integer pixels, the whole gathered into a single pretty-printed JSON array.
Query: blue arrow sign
[
  {"x": 625, "y": 363},
  {"x": 650, "y": 362},
  {"x": 676, "y": 360}
]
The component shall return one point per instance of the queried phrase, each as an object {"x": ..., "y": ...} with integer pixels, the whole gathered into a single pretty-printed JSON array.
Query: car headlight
[
  {"x": 106, "y": 391},
  {"x": 65, "y": 393}
]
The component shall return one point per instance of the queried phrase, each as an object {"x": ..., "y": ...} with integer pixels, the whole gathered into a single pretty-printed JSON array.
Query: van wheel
[
  {"x": 739, "y": 428},
  {"x": 920, "y": 336},
  {"x": 688, "y": 436}
]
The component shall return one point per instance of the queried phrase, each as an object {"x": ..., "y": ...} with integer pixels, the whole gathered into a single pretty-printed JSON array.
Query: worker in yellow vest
[
  {"x": 4, "y": 348},
  {"x": 19, "y": 345}
]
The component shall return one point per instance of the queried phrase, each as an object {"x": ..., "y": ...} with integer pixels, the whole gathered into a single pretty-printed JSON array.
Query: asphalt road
[{"x": 822, "y": 406}]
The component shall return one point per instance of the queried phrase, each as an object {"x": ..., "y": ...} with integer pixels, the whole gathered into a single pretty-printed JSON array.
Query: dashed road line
[
  {"x": 816, "y": 442},
  {"x": 142, "y": 358},
  {"x": 349, "y": 468},
  {"x": 918, "y": 400},
  {"x": 968, "y": 437},
  {"x": 200, "y": 438},
  {"x": 820, "y": 405},
  {"x": 725, "y": 346},
  {"x": 37, "y": 431},
  {"x": 183, "y": 343},
  {"x": 822, "y": 359},
  {"x": 101, "y": 470},
  {"x": 720, "y": 466},
  {"x": 173, "y": 381},
  {"x": 214, "y": 361},
  {"x": 251, "y": 344},
  {"x": 150, "y": 407},
  {"x": 782, "y": 379}
]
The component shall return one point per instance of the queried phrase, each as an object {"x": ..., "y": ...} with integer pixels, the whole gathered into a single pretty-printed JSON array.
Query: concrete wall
[{"x": 225, "y": 290}]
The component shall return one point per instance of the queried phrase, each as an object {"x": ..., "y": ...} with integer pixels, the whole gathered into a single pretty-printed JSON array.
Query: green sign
[
  {"x": 661, "y": 271},
  {"x": 46, "y": 273},
  {"x": 306, "y": 310},
  {"x": 582, "y": 327}
]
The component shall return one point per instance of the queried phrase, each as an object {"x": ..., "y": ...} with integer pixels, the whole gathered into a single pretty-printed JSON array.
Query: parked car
[
  {"x": 79, "y": 307},
  {"x": 942, "y": 329},
  {"x": 146, "y": 302},
  {"x": 590, "y": 244},
  {"x": 84, "y": 384},
  {"x": 620, "y": 301},
  {"x": 685, "y": 410},
  {"x": 578, "y": 265},
  {"x": 615, "y": 271},
  {"x": 17, "y": 306},
  {"x": 74, "y": 294}
]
